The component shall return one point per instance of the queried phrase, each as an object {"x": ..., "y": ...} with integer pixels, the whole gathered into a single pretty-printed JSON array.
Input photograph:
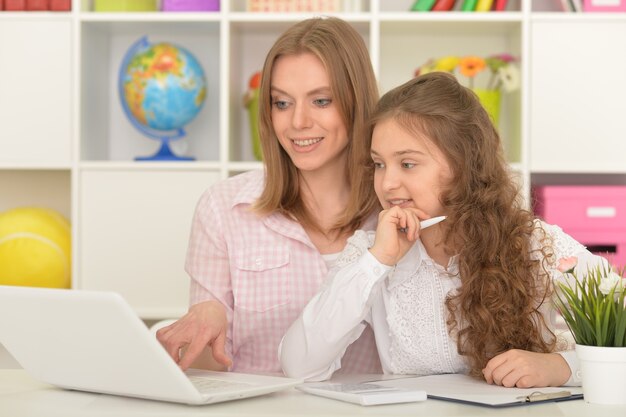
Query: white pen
[{"x": 426, "y": 223}]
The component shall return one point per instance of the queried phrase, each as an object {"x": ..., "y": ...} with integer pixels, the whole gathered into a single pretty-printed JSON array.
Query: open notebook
[
  {"x": 462, "y": 388},
  {"x": 93, "y": 341}
]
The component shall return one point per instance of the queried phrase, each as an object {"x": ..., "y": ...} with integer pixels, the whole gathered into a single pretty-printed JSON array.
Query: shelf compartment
[
  {"x": 405, "y": 7},
  {"x": 574, "y": 115},
  {"x": 424, "y": 40},
  {"x": 36, "y": 188},
  {"x": 345, "y": 6},
  {"x": 106, "y": 132},
  {"x": 36, "y": 92},
  {"x": 134, "y": 229}
]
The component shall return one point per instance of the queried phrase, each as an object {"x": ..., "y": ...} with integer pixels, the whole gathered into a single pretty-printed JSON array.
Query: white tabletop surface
[{"x": 21, "y": 396}]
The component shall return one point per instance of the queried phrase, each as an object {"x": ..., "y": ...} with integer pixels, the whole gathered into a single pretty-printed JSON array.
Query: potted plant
[{"x": 593, "y": 307}]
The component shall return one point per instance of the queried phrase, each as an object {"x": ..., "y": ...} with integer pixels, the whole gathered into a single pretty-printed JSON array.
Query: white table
[{"x": 22, "y": 396}]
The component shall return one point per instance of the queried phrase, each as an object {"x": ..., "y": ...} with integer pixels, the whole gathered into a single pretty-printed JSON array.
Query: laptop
[{"x": 93, "y": 341}]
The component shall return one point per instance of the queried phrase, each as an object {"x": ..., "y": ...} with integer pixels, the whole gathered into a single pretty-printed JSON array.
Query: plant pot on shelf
[
  {"x": 603, "y": 374},
  {"x": 251, "y": 102},
  {"x": 490, "y": 99}
]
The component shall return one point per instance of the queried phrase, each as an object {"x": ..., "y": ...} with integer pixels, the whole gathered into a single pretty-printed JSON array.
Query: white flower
[
  {"x": 610, "y": 282},
  {"x": 510, "y": 78}
]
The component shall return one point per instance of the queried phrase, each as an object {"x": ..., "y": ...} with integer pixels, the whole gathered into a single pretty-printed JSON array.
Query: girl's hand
[
  {"x": 391, "y": 243},
  {"x": 524, "y": 369}
]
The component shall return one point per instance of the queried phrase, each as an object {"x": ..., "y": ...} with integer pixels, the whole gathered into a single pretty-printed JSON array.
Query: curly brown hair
[{"x": 502, "y": 283}]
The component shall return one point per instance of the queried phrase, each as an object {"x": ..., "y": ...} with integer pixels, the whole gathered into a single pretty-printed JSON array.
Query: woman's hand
[
  {"x": 398, "y": 228},
  {"x": 204, "y": 326},
  {"x": 524, "y": 369}
]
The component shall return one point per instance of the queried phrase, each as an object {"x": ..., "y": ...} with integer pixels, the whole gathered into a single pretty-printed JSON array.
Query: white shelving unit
[{"x": 67, "y": 145}]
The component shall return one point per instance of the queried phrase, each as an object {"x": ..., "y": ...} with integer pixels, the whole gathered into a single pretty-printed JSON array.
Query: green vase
[
  {"x": 490, "y": 99},
  {"x": 252, "y": 105}
]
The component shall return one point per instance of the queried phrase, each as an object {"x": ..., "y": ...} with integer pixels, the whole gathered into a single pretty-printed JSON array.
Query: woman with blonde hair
[{"x": 262, "y": 242}]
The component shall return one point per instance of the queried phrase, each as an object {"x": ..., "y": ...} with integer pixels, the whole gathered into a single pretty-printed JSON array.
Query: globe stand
[{"x": 164, "y": 154}]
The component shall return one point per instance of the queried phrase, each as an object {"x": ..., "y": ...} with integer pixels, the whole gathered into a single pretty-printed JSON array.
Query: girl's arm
[
  {"x": 532, "y": 369},
  {"x": 313, "y": 346}
]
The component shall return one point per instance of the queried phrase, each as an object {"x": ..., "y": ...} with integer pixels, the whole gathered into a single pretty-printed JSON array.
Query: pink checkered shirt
[{"x": 263, "y": 270}]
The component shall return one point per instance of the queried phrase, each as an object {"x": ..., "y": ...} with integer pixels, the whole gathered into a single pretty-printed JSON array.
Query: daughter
[{"x": 471, "y": 294}]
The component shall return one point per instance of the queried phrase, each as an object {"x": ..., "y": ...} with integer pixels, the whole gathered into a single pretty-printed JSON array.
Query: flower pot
[
  {"x": 603, "y": 374},
  {"x": 253, "y": 114},
  {"x": 490, "y": 99}
]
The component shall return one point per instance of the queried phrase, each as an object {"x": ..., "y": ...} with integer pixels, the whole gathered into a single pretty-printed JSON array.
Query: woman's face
[
  {"x": 305, "y": 117},
  {"x": 409, "y": 170}
]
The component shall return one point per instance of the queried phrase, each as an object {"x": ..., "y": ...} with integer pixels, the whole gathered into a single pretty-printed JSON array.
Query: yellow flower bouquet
[{"x": 504, "y": 75}]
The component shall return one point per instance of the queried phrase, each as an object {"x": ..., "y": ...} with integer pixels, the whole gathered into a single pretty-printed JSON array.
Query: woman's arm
[
  {"x": 313, "y": 346},
  {"x": 201, "y": 338}
]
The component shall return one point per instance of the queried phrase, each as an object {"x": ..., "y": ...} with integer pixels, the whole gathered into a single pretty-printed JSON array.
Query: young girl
[
  {"x": 468, "y": 295},
  {"x": 262, "y": 242}
]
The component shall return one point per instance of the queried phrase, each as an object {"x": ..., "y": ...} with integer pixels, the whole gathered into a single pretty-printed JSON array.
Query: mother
[{"x": 262, "y": 242}]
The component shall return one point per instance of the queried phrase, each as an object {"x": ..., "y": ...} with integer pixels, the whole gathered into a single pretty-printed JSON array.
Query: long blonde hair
[
  {"x": 353, "y": 86},
  {"x": 502, "y": 284}
]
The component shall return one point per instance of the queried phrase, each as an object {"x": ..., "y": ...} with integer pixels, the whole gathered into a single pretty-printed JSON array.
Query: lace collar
[{"x": 410, "y": 263}]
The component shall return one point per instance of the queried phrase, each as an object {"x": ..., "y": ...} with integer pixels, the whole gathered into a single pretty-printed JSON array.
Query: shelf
[
  {"x": 404, "y": 6},
  {"x": 134, "y": 230},
  {"x": 579, "y": 17},
  {"x": 150, "y": 166},
  {"x": 421, "y": 41},
  {"x": 31, "y": 134},
  {"x": 157, "y": 17},
  {"x": 577, "y": 116},
  {"x": 457, "y": 17},
  {"x": 131, "y": 219},
  {"x": 243, "y": 17}
]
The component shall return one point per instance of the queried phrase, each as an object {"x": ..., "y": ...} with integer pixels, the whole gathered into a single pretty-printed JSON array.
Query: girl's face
[
  {"x": 305, "y": 118},
  {"x": 409, "y": 171}
]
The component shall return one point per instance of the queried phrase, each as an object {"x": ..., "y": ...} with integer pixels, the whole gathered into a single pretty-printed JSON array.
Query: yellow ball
[{"x": 35, "y": 248}]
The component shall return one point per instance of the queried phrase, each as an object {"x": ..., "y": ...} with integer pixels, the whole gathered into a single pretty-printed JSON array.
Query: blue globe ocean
[{"x": 162, "y": 88}]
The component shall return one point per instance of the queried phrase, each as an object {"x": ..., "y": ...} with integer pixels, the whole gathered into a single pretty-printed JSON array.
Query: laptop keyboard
[{"x": 210, "y": 386}]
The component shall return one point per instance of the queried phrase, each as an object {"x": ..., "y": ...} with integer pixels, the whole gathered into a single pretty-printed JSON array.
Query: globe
[{"x": 162, "y": 88}]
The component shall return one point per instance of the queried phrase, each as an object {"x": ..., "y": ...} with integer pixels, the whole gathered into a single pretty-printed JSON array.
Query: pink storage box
[
  {"x": 604, "y": 5},
  {"x": 593, "y": 215},
  {"x": 190, "y": 5}
]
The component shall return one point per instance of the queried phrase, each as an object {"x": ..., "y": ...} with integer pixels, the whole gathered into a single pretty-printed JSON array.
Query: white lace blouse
[{"x": 405, "y": 306}]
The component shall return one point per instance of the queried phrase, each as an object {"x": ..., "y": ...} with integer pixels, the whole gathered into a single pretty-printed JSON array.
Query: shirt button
[
  {"x": 579, "y": 374},
  {"x": 258, "y": 261}
]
